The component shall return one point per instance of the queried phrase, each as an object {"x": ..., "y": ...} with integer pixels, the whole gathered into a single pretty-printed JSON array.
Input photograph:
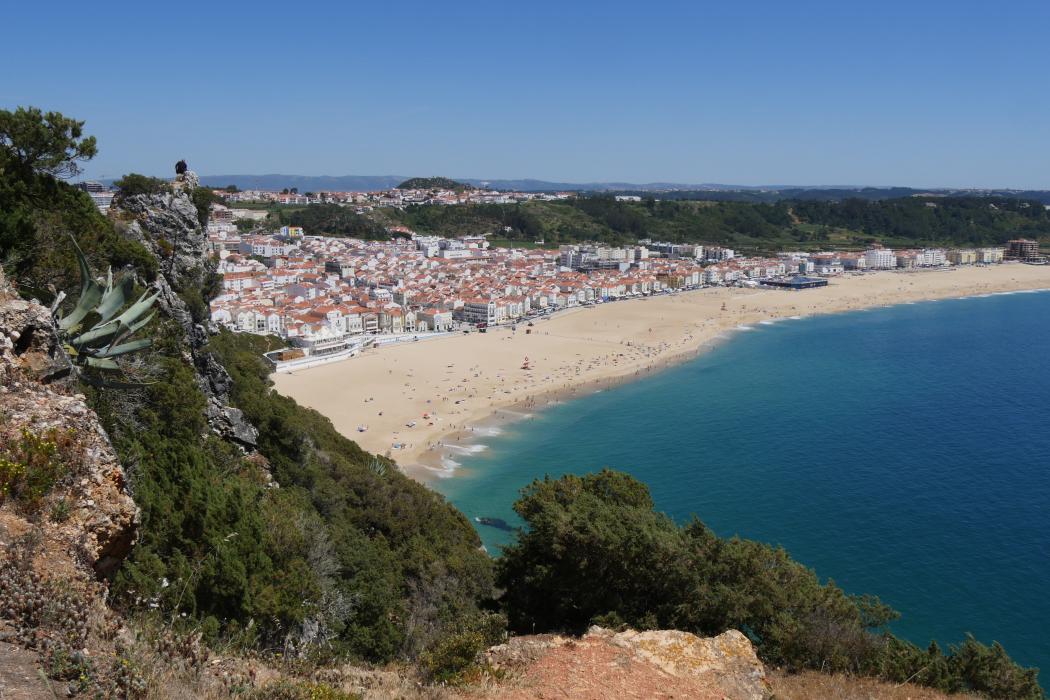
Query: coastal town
[{"x": 331, "y": 297}]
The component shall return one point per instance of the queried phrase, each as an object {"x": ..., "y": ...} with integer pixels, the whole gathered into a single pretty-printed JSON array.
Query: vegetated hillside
[
  {"x": 346, "y": 556},
  {"x": 265, "y": 531},
  {"x": 335, "y": 220},
  {"x": 750, "y": 227},
  {"x": 432, "y": 183}
]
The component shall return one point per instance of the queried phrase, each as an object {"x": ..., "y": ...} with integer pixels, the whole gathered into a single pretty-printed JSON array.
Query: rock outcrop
[
  {"x": 168, "y": 225},
  {"x": 102, "y": 517},
  {"x": 604, "y": 664}
]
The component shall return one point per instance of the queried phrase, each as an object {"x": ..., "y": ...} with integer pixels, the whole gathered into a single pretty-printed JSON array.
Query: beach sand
[{"x": 466, "y": 384}]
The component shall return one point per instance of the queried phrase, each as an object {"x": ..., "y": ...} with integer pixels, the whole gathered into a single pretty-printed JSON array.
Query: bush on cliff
[
  {"x": 39, "y": 212},
  {"x": 341, "y": 559},
  {"x": 134, "y": 184},
  {"x": 411, "y": 560},
  {"x": 595, "y": 550}
]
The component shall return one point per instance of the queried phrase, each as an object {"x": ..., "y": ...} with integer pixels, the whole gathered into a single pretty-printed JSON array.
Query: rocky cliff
[
  {"x": 99, "y": 518},
  {"x": 67, "y": 519},
  {"x": 168, "y": 224}
]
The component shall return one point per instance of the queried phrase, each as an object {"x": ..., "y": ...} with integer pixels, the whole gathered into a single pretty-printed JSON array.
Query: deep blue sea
[{"x": 901, "y": 451}]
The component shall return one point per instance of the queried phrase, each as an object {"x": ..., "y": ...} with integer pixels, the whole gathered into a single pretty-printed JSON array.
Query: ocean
[{"x": 901, "y": 451}]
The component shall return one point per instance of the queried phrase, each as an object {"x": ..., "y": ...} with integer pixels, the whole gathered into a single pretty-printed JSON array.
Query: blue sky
[{"x": 905, "y": 93}]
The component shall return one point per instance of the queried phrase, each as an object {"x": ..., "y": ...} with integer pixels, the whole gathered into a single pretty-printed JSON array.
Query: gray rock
[{"x": 167, "y": 224}]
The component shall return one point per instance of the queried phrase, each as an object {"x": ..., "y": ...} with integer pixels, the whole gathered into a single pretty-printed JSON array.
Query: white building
[
  {"x": 479, "y": 311},
  {"x": 880, "y": 259},
  {"x": 934, "y": 257}
]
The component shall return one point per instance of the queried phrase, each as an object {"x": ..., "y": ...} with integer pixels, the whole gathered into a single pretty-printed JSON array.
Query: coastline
[{"x": 468, "y": 385}]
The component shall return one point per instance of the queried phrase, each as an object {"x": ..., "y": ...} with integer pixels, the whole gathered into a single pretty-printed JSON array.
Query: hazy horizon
[
  {"x": 935, "y": 95},
  {"x": 631, "y": 181}
]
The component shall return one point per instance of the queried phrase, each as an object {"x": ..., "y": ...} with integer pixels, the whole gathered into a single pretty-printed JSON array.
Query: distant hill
[
  {"x": 662, "y": 190},
  {"x": 306, "y": 183},
  {"x": 432, "y": 183}
]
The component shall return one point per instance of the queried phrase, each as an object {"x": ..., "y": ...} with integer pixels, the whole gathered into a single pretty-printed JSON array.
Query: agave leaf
[
  {"x": 115, "y": 330},
  {"x": 137, "y": 309},
  {"x": 85, "y": 270},
  {"x": 123, "y": 334},
  {"x": 89, "y": 299},
  {"x": 102, "y": 363},
  {"x": 140, "y": 323},
  {"x": 58, "y": 300},
  {"x": 124, "y": 349},
  {"x": 97, "y": 336},
  {"x": 114, "y": 297}
]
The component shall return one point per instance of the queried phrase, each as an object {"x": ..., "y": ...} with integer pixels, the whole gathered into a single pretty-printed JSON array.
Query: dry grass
[{"x": 820, "y": 686}]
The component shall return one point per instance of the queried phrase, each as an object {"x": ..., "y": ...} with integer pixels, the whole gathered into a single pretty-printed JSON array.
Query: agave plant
[
  {"x": 109, "y": 336},
  {"x": 377, "y": 467}
]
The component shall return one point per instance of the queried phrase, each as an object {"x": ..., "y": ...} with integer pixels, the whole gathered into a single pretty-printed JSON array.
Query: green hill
[
  {"x": 432, "y": 183},
  {"x": 746, "y": 226}
]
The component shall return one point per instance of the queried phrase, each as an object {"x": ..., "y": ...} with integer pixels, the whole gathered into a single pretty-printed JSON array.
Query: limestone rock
[
  {"x": 187, "y": 181},
  {"x": 729, "y": 657},
  {"x": 630, "y": 664},
  {"x": 167, "y": 224},
  {"x": 27, "y": 337},
  {"x": 102, "y": 528}
]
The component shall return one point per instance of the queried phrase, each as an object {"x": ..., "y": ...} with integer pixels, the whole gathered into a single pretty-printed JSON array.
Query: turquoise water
[{"x": 901, "y": 451}]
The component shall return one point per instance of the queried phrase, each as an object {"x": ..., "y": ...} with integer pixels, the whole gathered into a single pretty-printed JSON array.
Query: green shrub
[
  {"x": 299, "y": 690},
  {"x": 134, "y": 184},
  {"x": 203, "y": 198},
  {"x": 453, "y": 659},
  {"x": 654, "y": 574},
  {"x": 60, "y": 511},
  {"x": 32, "y": 465}
]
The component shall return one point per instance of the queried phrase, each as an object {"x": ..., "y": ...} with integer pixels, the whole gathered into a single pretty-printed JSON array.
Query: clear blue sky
[{"x": 932, "y": 93}]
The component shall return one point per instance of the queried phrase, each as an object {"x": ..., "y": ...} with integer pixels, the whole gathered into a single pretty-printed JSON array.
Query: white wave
[
  {"x": 447, "y": 469},
  {"x": 510, "y": 413},
  {"x": 745, "y": 328},
  {"x": 766, "y": 323},
  {"x": 468, "y": 449}
]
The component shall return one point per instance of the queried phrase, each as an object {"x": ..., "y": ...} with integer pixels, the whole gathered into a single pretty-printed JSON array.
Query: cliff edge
[
  {"x": 652, "y": 664},
  {"x": 90, "y": 514}
]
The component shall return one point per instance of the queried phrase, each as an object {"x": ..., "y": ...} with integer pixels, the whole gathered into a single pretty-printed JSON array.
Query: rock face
[
  {"x": 168, "y": 226},
  {"x": 102, "y": 518},
  {"x": 653, "y": 664}
]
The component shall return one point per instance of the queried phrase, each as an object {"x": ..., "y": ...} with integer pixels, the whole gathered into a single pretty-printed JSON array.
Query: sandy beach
[{"x": 423, "y": 402}]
